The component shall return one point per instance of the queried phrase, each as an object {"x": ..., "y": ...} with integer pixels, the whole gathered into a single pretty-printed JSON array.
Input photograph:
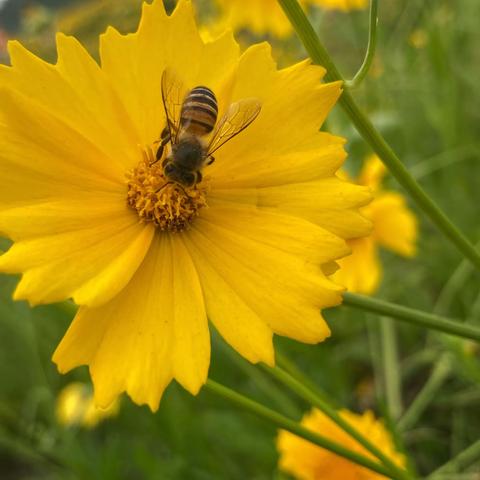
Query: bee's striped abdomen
[{"x": 199, "y": 111}]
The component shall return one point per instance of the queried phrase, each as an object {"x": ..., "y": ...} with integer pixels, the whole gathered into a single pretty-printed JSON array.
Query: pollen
[{"x": 168, "y": 205}]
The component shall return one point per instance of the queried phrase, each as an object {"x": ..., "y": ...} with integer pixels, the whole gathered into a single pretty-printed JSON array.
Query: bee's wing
[
  {"x": 237, "y": 118},
  {"x": 173, "y": 95}
]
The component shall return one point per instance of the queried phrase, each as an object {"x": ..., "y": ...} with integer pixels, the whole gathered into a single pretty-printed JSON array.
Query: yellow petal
[
  {"x": 91, "y": 264},
  {"x": 260, "y": 258},
  {"x": 261, "y": 17},
  {"x": 330, "y": 203},
  {"x": 191, "y": 351},
  {"x": 293, "y": 107},
  {"x": 238, "y": 324},
  {"x": 343, "y": 5},
  {"x": 134, "y": 63},
  {"x": 372, "y": 173},
  {"x": 108, "y": 122},
  {"x": 317, "y": 158},
  {"x": 361, "y": 271},
  {"x": 77, "y": 93},
  {"x": 395, "y": 225},
  {"x": 145, "y": 336},
  {"x": 23, "y": 219},
  {"x": 293, "y": 235},
  {"x": 305, "y": 460},
  {"x": 42, "y": 156}
]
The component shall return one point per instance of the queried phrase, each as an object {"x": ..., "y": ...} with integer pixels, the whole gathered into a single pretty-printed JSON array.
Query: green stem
[
  {"x": 283, "y": 362},
  {"x": 308, "y": 395},
  {"x": 455, "y": 283},
  {"x": 410, "y": 315},
  {"x": 465, "y": 398},
  {"x": 463, "y": 460},
  {"x": 427, "y": 394},
  {"x": 375, "y": 357},
  {"x": 417, "y": 361},
  {"x": 391, "y": 374},
  {"x": 372, "y": 44},
  {"x": 364, "y": 126},
  {"x": 443, "y": 160},
  {"x": 264, "y": 383},
  {"x": 15, "y": 437},
  {"x": 29, "y": 453},
  {"x": 294, "y": 427}
]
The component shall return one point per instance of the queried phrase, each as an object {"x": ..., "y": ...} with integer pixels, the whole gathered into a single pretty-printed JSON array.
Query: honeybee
[{"x": 191, "y": 118}]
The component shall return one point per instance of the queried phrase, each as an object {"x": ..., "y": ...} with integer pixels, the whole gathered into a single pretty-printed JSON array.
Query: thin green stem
[
  {"x": 465, "y": 398},
  {"x": 391, "y": 374},
  {"x": 410, "y": 315},
  {"x": 372, "y": 45},
  {"x": 439, "y": 374},
  {"x": 20, "y": 443},
  {"x": 418, "y": 360},
  {"x": 283, "y": 362},
  {"x": 375, "y": 357},
  {"x": 364, "y": 126},
  {"x": 455, "y": 282},
  {"x": 475, "y": 310},
  {"x": 442, "y": 160},
  {"x": 309, "y": 396},
  {"x": 294, "y": 427},
  {"x": 455, "y": 476},
  {"x": 264, "y": 383},
  {"x": 27, "y": 452},
  {"x": 463, "y": 460}
]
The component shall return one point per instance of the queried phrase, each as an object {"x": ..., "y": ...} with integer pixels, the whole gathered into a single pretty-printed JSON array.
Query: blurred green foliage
[{"x": 422, "y": 94}]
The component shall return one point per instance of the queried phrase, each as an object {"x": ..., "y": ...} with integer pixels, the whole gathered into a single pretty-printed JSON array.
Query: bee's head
[{"x": 176, "y": 174}]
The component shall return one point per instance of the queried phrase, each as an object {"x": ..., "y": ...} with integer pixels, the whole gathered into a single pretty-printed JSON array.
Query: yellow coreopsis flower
[
  {"x": 267, "y": 17},
  {"x": 307, "y": 461},
  {"x": 75, "y": 406},
  {"x": 261, "y": 17},
  {"x": 95, "y": 218},
  {"x": 343, "y": 5},
  {"x": 394, "y": 228}
]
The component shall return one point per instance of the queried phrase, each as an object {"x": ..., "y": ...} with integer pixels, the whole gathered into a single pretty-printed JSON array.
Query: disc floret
[{"x": 156, "y": 199}]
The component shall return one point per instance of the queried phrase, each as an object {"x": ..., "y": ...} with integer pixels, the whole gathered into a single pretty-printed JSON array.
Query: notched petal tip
[
  {"x": 21, "y": 57},
  {"x": 22, "y": 292}
]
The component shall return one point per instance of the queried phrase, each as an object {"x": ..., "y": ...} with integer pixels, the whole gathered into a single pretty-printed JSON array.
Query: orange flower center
[{"x": 168, "y": 205}]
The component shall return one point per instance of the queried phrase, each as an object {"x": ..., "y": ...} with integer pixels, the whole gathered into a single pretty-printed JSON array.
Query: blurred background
[{"x": 422, "y": 93}]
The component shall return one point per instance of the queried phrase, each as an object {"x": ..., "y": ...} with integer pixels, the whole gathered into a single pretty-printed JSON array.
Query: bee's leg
[
  {"x": 184, "y": 191},
  {"x": 199, "y": 177},
  {"x": 211, "y": 160},
  {"x": 165, "y": 138},
  {"x": 171, "y": 183},
  {"x": 163, "y": 186}
]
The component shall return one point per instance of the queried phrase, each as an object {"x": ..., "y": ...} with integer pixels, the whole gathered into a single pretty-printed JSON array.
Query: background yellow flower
[
  {"x": 343, "y": 5},
  {"x": 394, "y": 228},
  {"x": 75, "y": 406},
  {"x": 267, "y": 17},
  {"x": 307, "y": 461},
  {"x": 261, "y": 17}
]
